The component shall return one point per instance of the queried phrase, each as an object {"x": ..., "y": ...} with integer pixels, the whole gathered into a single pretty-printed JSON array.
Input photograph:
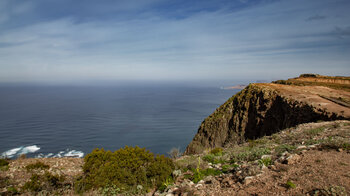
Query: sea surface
[{"x": 56, "y": 121}]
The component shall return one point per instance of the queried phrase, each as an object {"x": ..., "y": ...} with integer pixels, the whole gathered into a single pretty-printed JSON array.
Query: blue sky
[{"x": 68, "y": 40}]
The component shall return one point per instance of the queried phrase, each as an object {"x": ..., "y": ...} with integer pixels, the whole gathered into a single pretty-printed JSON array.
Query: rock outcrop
[{"x": 263, "y": 109}]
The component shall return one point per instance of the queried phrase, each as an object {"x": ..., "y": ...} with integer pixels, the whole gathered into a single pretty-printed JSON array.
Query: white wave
[
  {"x": 66, "y": 153},
  {"x": 74, "y": 153},
  {"x": 20, "y": 150}
]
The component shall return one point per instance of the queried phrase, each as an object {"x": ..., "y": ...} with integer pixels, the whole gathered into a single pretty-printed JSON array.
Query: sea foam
[
  {"x": 19, "y": 151},
  {"x": 65, "y": 153}
]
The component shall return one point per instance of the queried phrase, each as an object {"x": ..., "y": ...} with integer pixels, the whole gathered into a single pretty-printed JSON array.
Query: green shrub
[
  {"x": 34, "y": 184},
  {"x": 4, "y": 165},
  {"x": 47, "y": 181},
  {"x": 37, "y": 165},
  {"x": 227, "y": 168},
  {"x": 250, "y": 155},
  {"x": 109, "y": 190},
  {"x": 168, "y": 182},
  {"x": 212, "y": 159},
  {"x": 284, "y": 147},
  {"x": 290, "y": 185},
  {"x": 200, "y": 174},
  {"x": 126, "y": 168},
  {"x": 217, "y": 151},
  {"x": 265, "y": 161},
  {"x": 4, "y": 162},
  {"x": 53, "y": 180},
  {"x": 257, "y": 142},
  {"x": 12, "y": 190}
]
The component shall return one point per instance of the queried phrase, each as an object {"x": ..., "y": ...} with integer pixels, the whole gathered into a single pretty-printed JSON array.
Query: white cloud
[{"x": 268, "y": 39}]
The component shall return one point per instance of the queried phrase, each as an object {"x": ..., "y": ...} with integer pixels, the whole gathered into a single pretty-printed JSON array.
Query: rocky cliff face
[{"x": 256, "y": 111}]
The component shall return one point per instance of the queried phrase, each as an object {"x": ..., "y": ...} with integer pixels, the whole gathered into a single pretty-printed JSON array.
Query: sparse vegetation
[
  {"x": 285, "y": 147},
  {"x": 12, "y": 190},
  {"x": 320, "y": 81},
  {"x": 336, "y": 144},
  {"x": 47, "y": 181},
  {"x": 217, "y": 151},
  {"x": 213, "y": 159},
  {"x": 251, "y": 154},
  {"x": 38, "y": 165},
  {"x": 265, "y": 161},
  {"x": 331, "y": 190},
  {"x": 34, "y": 185},
  {"x": 201, "y": 173},
  {"x": 313, "y": 132}
]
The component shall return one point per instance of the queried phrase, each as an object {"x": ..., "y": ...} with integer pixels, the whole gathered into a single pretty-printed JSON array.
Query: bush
[
  {"x": 4, "y": 162},
  {"x": 212, "y": 159},
  {"x": 251, "y": 155},
  {"x": 34, "y": 184},
  {"x": 174, "y": 153},
  {"x": 126, "y": 168},
  {"x": 4, "y": 165},
  {"x": 47, "y": 181},
  {"x": 216, "y": 151},
  {"x": 37, "y": 165}
]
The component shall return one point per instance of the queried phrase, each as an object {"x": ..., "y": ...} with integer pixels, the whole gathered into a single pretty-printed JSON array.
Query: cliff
[{"x": 263, "y": 109}]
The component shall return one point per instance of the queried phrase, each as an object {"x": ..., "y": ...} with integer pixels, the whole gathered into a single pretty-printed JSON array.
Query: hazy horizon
[{"x": 71, "y": 42}]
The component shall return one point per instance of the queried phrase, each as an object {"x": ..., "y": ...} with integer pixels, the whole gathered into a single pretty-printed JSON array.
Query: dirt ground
[
  {"x": 317, "y": 96},
  {"x": 316, "y": 170}
]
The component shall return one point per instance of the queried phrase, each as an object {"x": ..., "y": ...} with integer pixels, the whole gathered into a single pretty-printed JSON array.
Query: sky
[{"x": 49, "y": 41}]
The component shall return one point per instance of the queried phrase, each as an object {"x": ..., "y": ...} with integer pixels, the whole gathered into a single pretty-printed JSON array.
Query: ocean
[{"x": 57, "y": 121}]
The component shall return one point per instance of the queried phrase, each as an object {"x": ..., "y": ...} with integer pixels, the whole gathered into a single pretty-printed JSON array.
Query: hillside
[{"x": 266, "y": 108}]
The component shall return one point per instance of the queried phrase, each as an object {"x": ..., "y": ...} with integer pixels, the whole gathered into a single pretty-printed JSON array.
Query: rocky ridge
[{"x": 266, "y": 108}]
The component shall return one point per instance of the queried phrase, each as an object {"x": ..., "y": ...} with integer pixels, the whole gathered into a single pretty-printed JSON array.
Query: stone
[
  {"x": 301, "y": 147},
  {"x": 242, "y": 193},
  {"x": 248, "y": 180},
  {"x": 292, "y": 159},
  {"x": 264, "y": 168}
]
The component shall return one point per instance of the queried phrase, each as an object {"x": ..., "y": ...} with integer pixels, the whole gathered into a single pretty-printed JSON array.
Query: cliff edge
[{"x": 265, "y": 108}]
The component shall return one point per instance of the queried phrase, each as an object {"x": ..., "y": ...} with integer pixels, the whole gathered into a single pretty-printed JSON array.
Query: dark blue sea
[{"x": 56, "y": 121}]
